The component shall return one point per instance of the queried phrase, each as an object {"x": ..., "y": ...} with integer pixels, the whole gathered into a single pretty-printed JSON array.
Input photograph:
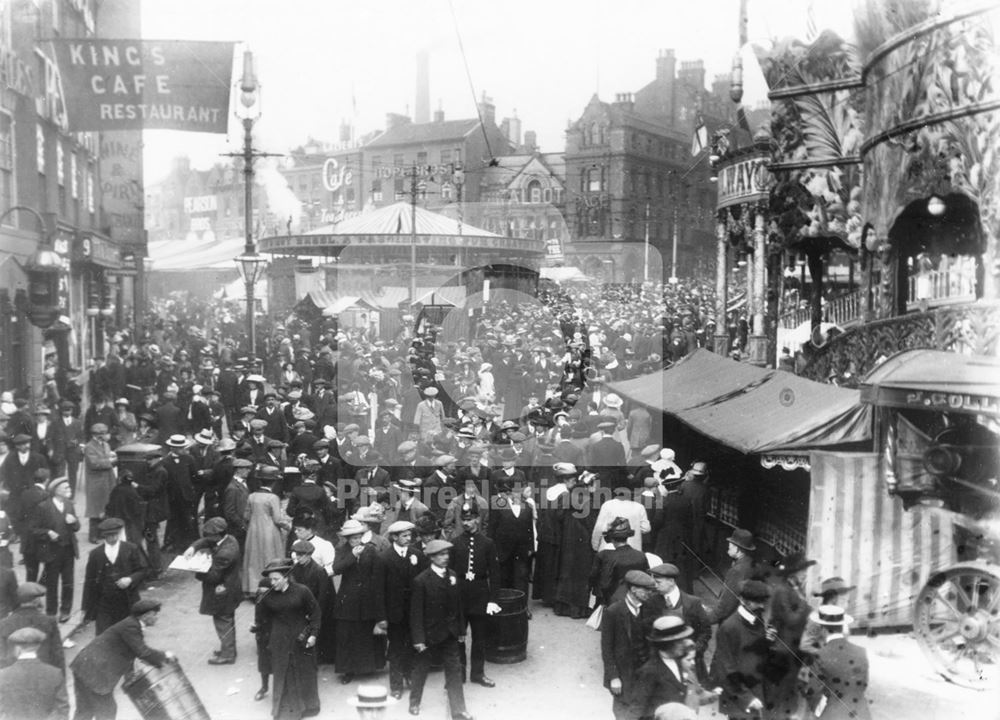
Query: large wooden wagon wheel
[{"x": 957, "y": 623}]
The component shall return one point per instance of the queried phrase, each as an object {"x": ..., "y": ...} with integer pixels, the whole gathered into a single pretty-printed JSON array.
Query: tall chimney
[
  {"x": 422, "y": 108},
  {"x": 488, "y": 110}
]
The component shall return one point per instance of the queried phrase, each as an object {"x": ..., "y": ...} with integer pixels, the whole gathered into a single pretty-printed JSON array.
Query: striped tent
[{"x": 861, "y": 533}]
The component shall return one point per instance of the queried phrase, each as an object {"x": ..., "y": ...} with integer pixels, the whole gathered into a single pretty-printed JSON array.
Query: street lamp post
[{"x": 250, "y": 264}]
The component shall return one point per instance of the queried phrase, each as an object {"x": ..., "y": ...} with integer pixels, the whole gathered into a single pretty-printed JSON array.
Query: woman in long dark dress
[
  {"x": 293, "y": 615},
  {"x": 310, "y": 573},
  {"x": 576, "y": 515},
  {"x": 262, "y": 632},
  {"x": 359, "y": 650}
]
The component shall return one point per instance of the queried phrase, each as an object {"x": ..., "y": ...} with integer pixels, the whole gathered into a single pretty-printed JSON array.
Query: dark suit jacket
[
  {"x": 436, "y": 612},
  {"x": 66, "y": 441},
  {"x": 276, "y": 428},
  {"x": 623, "y": 643},
  {"x": 31, "y": 498},
  {"x": 110, "y": 655},
  {"x": 235, "y": 499},
  {"x": 169, "y": 421},
  {"x": 730, "y": 598},
  {"x": 655, "y": 685},
  {"x": 483, "y": 589},
  {"x": 51, "y": 650},
  {"x": 607, "y": 458},
  {"x": 394, "y": 577},
  {"x": 514, "y": 536},
  {"x": 32, "y": 690},
  {"x": 47, "y": 517},
  {"x": 841, "y": 668},
  {"x": 225, "y": 571},
  {"x": 741, "y": 654},
  {"x": 330, "y": 470},
  {"x": 689, "y": 609},
  {"x": 99, "y": 588}
]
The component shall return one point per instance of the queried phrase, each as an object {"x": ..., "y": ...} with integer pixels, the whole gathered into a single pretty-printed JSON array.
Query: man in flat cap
[
  {"x": 670, "y": 600},
  {"x": 437, "y": 626},
  {"x": 101, "y": 665},
  {"x": 221, "y": 585},
  {"x": 17, "y": 472},
  {"x": 53, "y": 525},
  {"x": 30, "y": 612},
  {"x": 277, "y": 427},
  {"x": 478, "y": 569},
  {"x": 743, "y": 648},
  {"x": 30, "y": 688},
  {"x": 395, "y": 569},
  {"x": 111, "y": 582},
  {"x": 623, "y": 642}
]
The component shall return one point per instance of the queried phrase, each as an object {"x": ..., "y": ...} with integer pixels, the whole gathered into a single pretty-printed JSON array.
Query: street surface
[{"x": 560, "y": 679}]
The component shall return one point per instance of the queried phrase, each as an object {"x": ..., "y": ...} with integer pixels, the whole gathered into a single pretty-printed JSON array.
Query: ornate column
[
  {"x": 758, "y": 337},
  {"x": 721, "y": 338}
]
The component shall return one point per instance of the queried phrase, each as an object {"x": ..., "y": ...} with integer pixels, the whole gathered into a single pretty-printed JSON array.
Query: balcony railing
[
  {"x": 844, "y": 311},
  {"x": 932, "y": 288}
]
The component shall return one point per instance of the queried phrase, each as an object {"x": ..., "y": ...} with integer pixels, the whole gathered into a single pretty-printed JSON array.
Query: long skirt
[
  {"x": 546, "y": 573},
  {"x": 359, "y": 652}
]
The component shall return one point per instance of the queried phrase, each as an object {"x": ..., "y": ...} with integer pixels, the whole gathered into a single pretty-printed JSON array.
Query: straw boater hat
[
  {"x": 830, "y": 615},
  {"x": 352, "y": 527},
  {"x": 371, "y": 696}
]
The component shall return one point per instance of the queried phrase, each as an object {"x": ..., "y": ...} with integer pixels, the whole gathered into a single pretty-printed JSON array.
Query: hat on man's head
[
  {"x": 26, "y": 636},
  {"x": 351, "y": 427},
  {"x": 242, "y": 463},
  {"x": 699, "y": 468},
  {"x": 651, "y": 451},
  {"x": 427, "y": 525},
  {"x": 56, "y": 482},
  {"x": 743, "y": 539},
  {"x": 177, "y": 441},
  {"x": 214, "y": 527},
  {"x": 794, "y": 563},
  {"x": 507, "y": 454},
  {"x": 833, "y": 585},
  {"x": 67, "y": 405},
  {"x": 830, "y": 615},
  {"x": 406, "y": 446},
  {"x": 470, "y": 510},
  {"x": 756, "y": 590},
  {"x": 278, "y": 565},
  {"x": 96, "y": 429},
  {"x": 400, "y": 526},
  {"x": 408, "y": 484},
  {"x": 28, "y": 591},
  {"x": 667, "y": 629},
  {"x": 226, "y": 445},
  {"x": 248, "y": 410},
  {"x": 111, "y": 526},
  {"x": 258, "y": 424},
  {"x": 436, "y": 546},
  {"x": 430, "y": 391},
  {"x": 371, "y": 696},
  {"x": 303, "y": 547},
  {"x": 205, "y": 437},
  {"x": 665, "y": 570},
  {"x": 607, "y": 425},
  {"x": 564, "y": 469},
  {"x": 267, "y": 473},
  {"x": 42, "y": 410},
  {"x": 141, "y": 607},
  {"x": 443, "y": 460},
  {"x": 637, "y": 578},
  {"x": 619, "y": 529}
]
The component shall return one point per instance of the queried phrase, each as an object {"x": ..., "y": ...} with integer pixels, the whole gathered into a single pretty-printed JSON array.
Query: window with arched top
[
  {"x": 595, "y": 134},
  {"x": 533, "y": 192}
]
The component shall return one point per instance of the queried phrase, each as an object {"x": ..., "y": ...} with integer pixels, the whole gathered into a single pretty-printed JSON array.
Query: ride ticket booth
[{"x": 938, "y": 428}]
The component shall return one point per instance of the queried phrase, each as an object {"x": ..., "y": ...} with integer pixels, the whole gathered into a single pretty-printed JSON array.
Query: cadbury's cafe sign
[
  {"x": 746, "y": 180},
  {"x": 145, "y": 84}
]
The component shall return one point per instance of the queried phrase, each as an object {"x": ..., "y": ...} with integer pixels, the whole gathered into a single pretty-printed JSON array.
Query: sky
[{"x": 322, "y": 61}]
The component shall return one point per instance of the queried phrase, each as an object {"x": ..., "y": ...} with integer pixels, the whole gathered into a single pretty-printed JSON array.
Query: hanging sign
[
  {"x": 744, "y": 181},
  {"x": 145, "y": 84}
]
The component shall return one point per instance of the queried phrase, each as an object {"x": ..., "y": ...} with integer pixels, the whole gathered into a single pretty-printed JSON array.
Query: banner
[{"x": 145, "y": 84}]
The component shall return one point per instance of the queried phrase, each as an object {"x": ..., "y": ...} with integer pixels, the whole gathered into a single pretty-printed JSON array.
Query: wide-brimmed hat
[
  {"x": 352, "y": 527},
  {"x": 436, "y": 546},
  {"x": 430, "y": 392},
  {"x": 742, "y": 539},
  {"x": 371, "y": 696},
  {"x": 833, "y": 585},
  {"x": 205, "y": 437},
  {"x": 226, "y": 445},
  {"x": 619, "y": 529},
  {"x": 427, "y": 525},
  {"x": 564, "y": 469},
  {"x": 830, "y": 615},
  {"x": 794, "y": 563},
  {"x": 613, "y": 401},
  {"x": 667, "y": 629},
  {"x": 282, "y": 565},
  {"x": 256, "y": 378},
  {"x": 408, "y": 484},
  {"x": 177, "y": 441}
]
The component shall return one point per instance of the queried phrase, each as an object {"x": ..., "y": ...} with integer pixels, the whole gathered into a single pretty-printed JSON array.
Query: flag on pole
[
  {"x": 812, "y": 30},
  {"x": 700, "y": 140}
]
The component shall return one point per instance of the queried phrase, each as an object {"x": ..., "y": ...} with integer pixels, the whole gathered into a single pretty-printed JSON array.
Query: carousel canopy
[
  {"x": 393, "y": 225},
  {"x": 196, "y": 254},
  {"x": 752, "y": 409}
]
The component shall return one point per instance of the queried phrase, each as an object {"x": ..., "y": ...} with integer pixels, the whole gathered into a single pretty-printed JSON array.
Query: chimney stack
[
  {"x": 511, "y": 128},
  {"x": 530, "y": 142},
  {"x": 488, "y": 110},
  {"x": 666, "y": 65},
  {"x": 422, "y": 108}
]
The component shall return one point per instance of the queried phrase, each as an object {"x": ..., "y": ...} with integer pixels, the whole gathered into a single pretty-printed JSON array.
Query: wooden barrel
[
  {"x": 164, "y": 693},
  {"x": 508, "y": 630}
]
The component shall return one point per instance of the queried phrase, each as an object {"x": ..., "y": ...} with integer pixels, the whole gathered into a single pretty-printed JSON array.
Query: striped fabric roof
[
  {"x": 395, "y": 219},
  {"x": 196, "y": 254}
]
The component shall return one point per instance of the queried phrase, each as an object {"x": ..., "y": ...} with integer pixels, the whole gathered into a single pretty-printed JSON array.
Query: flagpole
[
  {"x": 413, "y": 237},
  {"x": 645, "y": 260}
]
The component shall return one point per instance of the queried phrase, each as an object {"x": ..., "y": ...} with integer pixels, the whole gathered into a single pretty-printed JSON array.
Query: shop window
[
  {"x": 534, "y": 192},
  {"x": 594, "y": 179},
  {"x": 6, "y": 163}
]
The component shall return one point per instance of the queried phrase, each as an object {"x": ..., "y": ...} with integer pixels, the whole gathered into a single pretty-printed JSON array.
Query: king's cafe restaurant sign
[{"x": 745, "y": 180}]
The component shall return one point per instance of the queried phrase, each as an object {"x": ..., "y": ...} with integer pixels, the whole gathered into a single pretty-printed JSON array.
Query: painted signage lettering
[{"x": 744, "y": 181}]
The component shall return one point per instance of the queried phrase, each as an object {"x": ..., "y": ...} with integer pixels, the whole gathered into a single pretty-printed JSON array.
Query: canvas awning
[
  {"x": 332, "y": 304},
  {"x": 936, "y": 380},
  {"x": 752, "y": 409}
]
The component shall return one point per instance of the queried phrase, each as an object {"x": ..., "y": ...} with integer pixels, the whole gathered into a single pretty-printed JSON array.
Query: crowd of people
[{"x": 373, "y": 496}]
